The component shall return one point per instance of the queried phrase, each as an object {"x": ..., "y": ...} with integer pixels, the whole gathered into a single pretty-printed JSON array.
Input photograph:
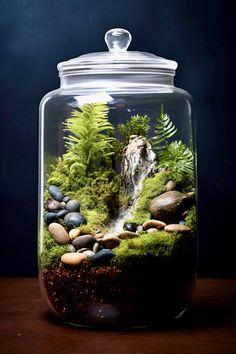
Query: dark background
[{"x": 37, "y": 34}]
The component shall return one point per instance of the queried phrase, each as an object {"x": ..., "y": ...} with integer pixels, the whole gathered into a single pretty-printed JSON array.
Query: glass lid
[{"x": 117, "y": 58}]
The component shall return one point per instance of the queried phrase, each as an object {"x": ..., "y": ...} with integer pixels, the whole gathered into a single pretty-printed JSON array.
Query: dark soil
[{"x": 139, "y": 294}]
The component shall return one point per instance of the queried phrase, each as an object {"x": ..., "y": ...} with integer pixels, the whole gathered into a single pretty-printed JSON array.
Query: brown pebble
[
  {"x": 127, "y": 234},
  {"x": 179, "y": 228},
  {"x": 110, "y": 241},
  {"x": 53, "y": 205},
  {"x": 170, "y": 186},
  {"x": 99, "y": 236},
  {"x": 151, "y": 230},
  {"x": 73, "y": 259},
  {"x": 59, "y": 233},
  {"x": 157, "y": 224}
]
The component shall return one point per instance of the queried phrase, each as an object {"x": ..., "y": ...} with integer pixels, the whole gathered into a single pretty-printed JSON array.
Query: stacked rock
[{"x": 63, "y": 208}]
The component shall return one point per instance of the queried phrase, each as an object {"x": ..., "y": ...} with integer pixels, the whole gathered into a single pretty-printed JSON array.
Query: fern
[
  {"x": 87, "y": 144},
  {"x": 164, "y": 130},
  {"x": 89, "y": 147},
  {"x": 179, "y": 160}
]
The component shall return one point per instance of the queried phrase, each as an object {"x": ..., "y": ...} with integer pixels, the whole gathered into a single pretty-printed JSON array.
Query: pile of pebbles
[{"x": 63, "y": 219}]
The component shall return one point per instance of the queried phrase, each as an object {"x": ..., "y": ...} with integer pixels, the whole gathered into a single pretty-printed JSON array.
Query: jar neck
[{"x": 115, "y": 81}]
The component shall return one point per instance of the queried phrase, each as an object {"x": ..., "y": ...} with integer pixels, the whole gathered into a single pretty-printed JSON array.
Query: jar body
[{"x": 117, "y": 218}]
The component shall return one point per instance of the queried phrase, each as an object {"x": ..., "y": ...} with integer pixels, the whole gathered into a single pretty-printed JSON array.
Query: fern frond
[
  {"x": 164, "y": 130},
  {"x": 88, "y": 140},
  {"x": 179, "y": 160}
]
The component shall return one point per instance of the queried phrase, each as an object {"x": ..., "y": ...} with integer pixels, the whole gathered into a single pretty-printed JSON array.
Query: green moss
[
  {"x": 52, "y": 252},
  {"x": 152, "y": 187},
  {"x": 160, "y": 244},
  {"x": 191, "y": 218}
]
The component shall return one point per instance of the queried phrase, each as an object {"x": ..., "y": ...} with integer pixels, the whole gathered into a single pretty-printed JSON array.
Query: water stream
[{"x": 137, "y": 164}]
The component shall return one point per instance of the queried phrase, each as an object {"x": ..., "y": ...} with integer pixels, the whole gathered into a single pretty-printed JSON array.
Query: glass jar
[{"x": 117, "y": 215}]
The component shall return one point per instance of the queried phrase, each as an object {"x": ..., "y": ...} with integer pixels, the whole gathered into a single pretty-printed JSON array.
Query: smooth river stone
[
  {"x": 84, "y": 241},
  {"x": 53, "y": 205},
  {"x": 157, "y": 224},
  {"x": 74, "y": 233},
  {"x": 179, "y": 228},
  {"x": 61, "y": 213},
  {"x": 73, "y": 259},
  {"x": 96, "y": 247},
  {"x": 171, "y": 186},
  {"x": 89, "y": 253},
  {"x": 168, "y": 206},
  {"x": 102, "y": 257},
  {"x": 74, "y": 219},
  {"x": 71, "y": 248},
  {"x": 131, "y": 226},
  {"x": 151, "y": 230},
  {"x": 59, "y": 233},
  {"x": 73, "y": 205},
  {"x": 127, "y": 234},
  {"x": 56, "y": 193},
  {"x": 110, "y": 241},
  {"x": 50, "y": 217}
]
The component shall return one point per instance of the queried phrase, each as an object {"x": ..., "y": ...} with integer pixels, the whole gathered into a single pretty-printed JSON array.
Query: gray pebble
[
  {"x": 102, "y": 257},
  {"x": 74, "y": 219},
  {"x": 139, "y": 228},
  {"x": 66, "y": 199},
  {"x": 71, "y": 248},
  {"x": 61, "y": 213},
  {"x": 73, "y": 205},
  {"x": 50, "y": 217},
  {"x": 56, "y": 193},
  {"x": 89, "y": 253}
]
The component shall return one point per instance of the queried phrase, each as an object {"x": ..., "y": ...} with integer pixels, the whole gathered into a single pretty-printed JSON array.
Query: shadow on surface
[{"x": 196, "y": 317}]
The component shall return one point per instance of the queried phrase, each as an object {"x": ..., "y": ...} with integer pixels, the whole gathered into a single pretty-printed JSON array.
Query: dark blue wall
[{"x": 37, "y": 34}]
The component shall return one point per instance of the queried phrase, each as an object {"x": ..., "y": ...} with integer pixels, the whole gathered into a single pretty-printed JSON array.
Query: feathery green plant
[
  {"x": 164, "y": 130},
  {"x": 178, "y": 158},
  {"x": 87, "y": 143}
]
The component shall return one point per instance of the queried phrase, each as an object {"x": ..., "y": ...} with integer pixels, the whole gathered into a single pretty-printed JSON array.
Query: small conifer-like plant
[{"x": 137, "y": 125}]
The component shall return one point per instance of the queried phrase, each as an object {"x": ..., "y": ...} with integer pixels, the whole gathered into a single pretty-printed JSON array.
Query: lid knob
[{"x": 118, "y": 39}]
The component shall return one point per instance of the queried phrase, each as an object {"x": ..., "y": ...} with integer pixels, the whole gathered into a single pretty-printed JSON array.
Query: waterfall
[{"x": 138, "y": 162}]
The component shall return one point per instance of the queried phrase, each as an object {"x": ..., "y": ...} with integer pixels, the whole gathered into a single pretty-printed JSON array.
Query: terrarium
[{"x": 117, "y": 195}]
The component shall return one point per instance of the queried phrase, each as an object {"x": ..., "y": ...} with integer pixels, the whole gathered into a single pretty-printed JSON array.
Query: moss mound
[{"x": 161, "y": 244}]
